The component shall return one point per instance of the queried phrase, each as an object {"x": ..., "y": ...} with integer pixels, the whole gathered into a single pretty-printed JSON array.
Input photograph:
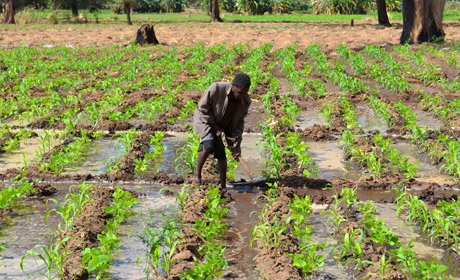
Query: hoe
[{"x": 231, "y": 143}]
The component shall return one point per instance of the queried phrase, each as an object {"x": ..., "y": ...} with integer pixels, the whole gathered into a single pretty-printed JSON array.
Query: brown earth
[
  {"x": 370, "y": 251},
  {"x": 277, "y": 264},
  {"x": 44, "y": 190},
  {"x": 85, "y": 231},
  {"x": 330, "y": 34},
  {"x": 126, "y": 164},
  {"x": 187, "y": 251}
]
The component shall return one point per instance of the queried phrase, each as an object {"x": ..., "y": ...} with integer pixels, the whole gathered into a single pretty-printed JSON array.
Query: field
[{"x": 357, "y": 135}]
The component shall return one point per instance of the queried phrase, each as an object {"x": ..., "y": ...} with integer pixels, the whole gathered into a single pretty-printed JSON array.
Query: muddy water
[
  {"x": 309, "y": 118},
  {"x": 172, "y": 142},
  {"x": 332, "y": 268},
  {"x": 14, "y": 122},
  {"x": 101, "y": 151},
  {"x": 14, "y": 159},
  {"x": 425, "y": 118},
  {"x": 240, "y": 223},
  {"x": 250, "y": 151},
  {"x": 22, "y": 231},
  {"x": 368, "y": 120},
  {"x": 124, "y": 264},
  {"x": 427, "y": 172},
  {"x": 329, "y": 161},
  {"x": 98, "y": 154},
  {"x": 421, "y": 245}
]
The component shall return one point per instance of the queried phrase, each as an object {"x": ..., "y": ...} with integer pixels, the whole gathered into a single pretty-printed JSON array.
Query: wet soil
[
  {"x": 336, "y": 172},
  {"x": 187, "y": 251},
  {"x": 276, "y": 264},
  {"x": 240, "y": 222},
  {"x": 43, "y": 190},
  {"x": 370, "y": 251},
  {"x": 86, "y": 228},
  {"x": 127, "y": 164}
]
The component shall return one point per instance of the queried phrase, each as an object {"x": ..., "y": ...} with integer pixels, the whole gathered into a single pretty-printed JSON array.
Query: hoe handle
[{"x": 246, "y": 168}]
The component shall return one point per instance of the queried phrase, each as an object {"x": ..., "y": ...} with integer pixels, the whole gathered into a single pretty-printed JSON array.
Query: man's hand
[
  {"x": 236, "y": 152},
  {"x": 217, "y": 130}
]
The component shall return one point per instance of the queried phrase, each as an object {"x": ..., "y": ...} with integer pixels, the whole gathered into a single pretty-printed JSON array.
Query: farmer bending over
[{"x": 221, "y": 110}]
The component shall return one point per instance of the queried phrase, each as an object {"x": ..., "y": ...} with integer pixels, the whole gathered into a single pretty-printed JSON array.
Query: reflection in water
[
  {"x": 328, "y": 158},
  {"x": 22, "y": 231},
  {"x": 26, "y": 229},
  {"x": 240, "y": 223},
  {"x": 332, "y": 268},
  {"x": 309, "y": 118},
  {"x": 426, "y": 171},
  {"x": 368, "y": 120},
  {"x": 421, "y": 245},
  {"x": 425, "y": 118},
  {"x": 98, "y": 154},
  {"x": 125, "y": 261},
  {"x": 27, "y": 149}
]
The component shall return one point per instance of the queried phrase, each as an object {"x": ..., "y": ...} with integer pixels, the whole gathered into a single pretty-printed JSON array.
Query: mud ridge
[
  {"x": 188, "y": 250},
  {"x": 279, "y": 265},
  {"x": 85, "y": 231}
]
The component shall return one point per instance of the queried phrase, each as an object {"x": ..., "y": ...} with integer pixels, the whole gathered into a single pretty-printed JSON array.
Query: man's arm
[
  {"x": 205, "y": 112},
  {"x": 239, "y": 128},
  {"x": 204, "y": 106},
  {"x": 238, "y": 133}
]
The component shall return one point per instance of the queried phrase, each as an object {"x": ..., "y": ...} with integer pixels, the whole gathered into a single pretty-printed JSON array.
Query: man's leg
[
  {"x": 222, "y": 165},
  {"x": 202, "y": 156}
]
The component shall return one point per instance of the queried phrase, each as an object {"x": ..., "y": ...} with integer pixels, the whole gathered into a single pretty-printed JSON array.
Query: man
[{"x": 221, "y": 109}]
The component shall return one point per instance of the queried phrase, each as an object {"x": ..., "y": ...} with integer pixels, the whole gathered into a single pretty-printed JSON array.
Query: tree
[
  {"x": 8, "y": 12},
  {"x": 422, "y": 21},
  {"x": 124, "y": 5},
  {"x": 74, "y": 6},
  {"x": 128, "y": 8},
  {"x": 382, "y": 13},
  {"x": 214, "y": 8}
]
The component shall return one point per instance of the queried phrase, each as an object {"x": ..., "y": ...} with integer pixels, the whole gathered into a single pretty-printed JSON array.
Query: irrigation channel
[{"x": 360, "y": 149}]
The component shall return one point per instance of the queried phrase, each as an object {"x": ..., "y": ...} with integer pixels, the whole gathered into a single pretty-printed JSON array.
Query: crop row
[
  {"x": 281, "y": 233},
  {"x": 281, "y": 148},
  {"x": 355, "y": 237},
  {"x": 70, "y": 251}
]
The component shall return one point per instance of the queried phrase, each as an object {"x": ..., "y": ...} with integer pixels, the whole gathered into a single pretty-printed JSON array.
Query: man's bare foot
[{"x": 196, "y": 181}]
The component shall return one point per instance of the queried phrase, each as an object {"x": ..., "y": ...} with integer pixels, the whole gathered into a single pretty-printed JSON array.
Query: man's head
[{"x": 240, "y": 85}]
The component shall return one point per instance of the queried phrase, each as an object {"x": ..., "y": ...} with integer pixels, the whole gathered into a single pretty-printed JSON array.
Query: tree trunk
[
  {"x": 422, "y": 21},
  {"x": 382, "y": 13},
  {"x": 9, "y": 12},
  {"x": 214, "y": 6},
  {"x": 74, "y": 5},
  {"x": 128, "y": 10}
]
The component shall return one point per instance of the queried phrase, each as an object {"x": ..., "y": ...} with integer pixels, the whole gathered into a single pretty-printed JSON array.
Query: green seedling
[
  {"x": 384, "y": 268},
  {"x": 181, "y": 196},
  {"x": 52, "y": 257},
  {"x": 185, "y": 161},
  {"x": 269, "y": 234}
]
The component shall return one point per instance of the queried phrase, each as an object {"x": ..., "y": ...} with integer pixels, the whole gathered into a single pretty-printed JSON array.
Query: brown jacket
[{"x": 211, "y": 108}]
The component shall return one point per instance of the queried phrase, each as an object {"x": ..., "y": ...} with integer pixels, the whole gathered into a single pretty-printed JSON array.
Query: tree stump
[
  {"x": 422, "y": 21},
  {"x": 146, "y": 35}
]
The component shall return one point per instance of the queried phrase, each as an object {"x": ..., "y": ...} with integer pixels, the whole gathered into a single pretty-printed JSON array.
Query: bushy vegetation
[
  {"x": 251, "y": 7},
  {"x": 156, "y": 6}
]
